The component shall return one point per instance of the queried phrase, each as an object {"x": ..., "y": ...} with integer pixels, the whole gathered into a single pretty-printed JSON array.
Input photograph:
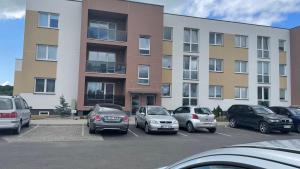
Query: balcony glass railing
[
  {"x": 105, "y": 67},
  {"x": 107, "y": 34},
  {"x": 92, "y": 99}
]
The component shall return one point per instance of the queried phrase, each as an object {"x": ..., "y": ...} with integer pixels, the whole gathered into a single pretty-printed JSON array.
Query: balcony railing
[
  {"x": 107, "y": 34},
  {"x": 93, "y": 99},
  {"x": 104, "y": 67}
]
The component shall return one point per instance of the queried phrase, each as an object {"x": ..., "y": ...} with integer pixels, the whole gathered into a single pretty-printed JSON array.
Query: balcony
[
  {"x": 107, "y": 34},
  {"x": 93, "y": 99},
  {"x": 101, "y": 67}
]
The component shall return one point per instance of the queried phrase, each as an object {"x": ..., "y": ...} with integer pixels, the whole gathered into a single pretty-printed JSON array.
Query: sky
[{"x": 277, "y": 13}]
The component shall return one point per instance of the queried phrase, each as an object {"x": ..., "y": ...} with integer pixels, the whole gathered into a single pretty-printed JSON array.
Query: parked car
[
  {"x": 283, "y": 154},
  {"x": 195, "y": 118},
  {"x": 258, "y": 117},
  {"x": 155, "y": 119},
  {"x": 14, "y": 113},
  {"x": 291, "y": 112},
  {"x": 105, "y": 118}
]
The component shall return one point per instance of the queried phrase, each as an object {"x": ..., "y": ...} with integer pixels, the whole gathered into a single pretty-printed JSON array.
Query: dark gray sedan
[{"x": 105, "y": 118}]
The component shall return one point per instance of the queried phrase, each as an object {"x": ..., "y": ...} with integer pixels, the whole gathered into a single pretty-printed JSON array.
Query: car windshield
[
  {"x": 263, "y": 110},
  {"x": 157, "y": 111},
  {"x": 295, "y": 111},
  {"x": 202, "y": 111},
  {"x": 5, "y": 104}
]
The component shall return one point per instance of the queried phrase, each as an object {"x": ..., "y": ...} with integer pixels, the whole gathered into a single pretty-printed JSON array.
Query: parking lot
[{"x": 71, "y": 146}]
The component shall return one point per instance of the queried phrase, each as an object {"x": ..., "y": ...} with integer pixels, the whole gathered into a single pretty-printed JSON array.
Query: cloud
[
  {"x": 12, "y": 9},
  {"x": 266, "y": 12},
  {"x": 5, "y": 83}
]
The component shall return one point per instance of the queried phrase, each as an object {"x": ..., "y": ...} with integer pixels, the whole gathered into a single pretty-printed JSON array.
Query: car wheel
[
  {"x": 91, "y": 130},
  {"x": 147, "y": 130},
  {"x": 285, "y": 131},
  {"x": 136, "y": 124},
  {"x": 232, "y": 123},
  {"x": 190, "y": 127},
  {"x": 124, "y": 132},
  {"x": 298, "y": 128},
  {"x": 18, "y": 129},
  {"x": 264, "y": 127},
  {"x": 212, "y": 130},
  {"x": 27, "y": 124},
  {"x": 174, "y": 132}
]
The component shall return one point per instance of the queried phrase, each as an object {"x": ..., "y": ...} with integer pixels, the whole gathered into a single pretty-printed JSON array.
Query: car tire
[
  {"x": 27, "y": 124},
  {"x": 18, "y": 129},
  {"x": 264, "y": 127},
  {"x": 136, "y": 124},
  {"x": 212, "y": 130},
  {"x": 91, "y": 130},
  {"x": 285, "y": 131},
  {"x": 298, "y": 128},
  {"x": 174, "y": 132},
  {"x": 124, "y": 132},
  {"x": 147, "y": 130},
  {"x": 190, "y": 128},
  {"x": 232, "y": 123}
]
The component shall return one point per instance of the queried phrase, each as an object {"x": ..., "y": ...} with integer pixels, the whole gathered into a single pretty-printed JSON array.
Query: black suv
[
  {"x": 258, "y": 117},
  {"x": 290, "y": 112}
]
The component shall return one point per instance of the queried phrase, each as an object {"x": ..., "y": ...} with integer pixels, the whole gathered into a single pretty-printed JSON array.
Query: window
[
  {"x": 282, "y": 70},
  {"x": 190, "y": 67},
  {"x": 103, "y": 62},
  {"x": 144, "y": 45},
  {"x": 44, "y": 85},
  {"x": 105, "y": 31},
  {"x": 166, "y": 90},
  {"x": 190, "y": 94},
  {"x": 241, "y": 66},
  {"x": 282, "y": 45},
  {"x": 6, "y": 104},
  {"x": 191, "y": 43},
  {"x": 100, "y": 91},
  {"x": 241, "y": 41},
  {"x": 283, "y": 94},
  {"x": 215, "y": 92},
  {"x": 46, "y": 52},
  {"x": 263, "y": 47},
  {"x": 216, "y": 38},
  {"x": 263, "y": 94},
  {"x": 241, "y": 93},
  {"x": 143, "y": 74},
  {"x": 168, "y": 33},
  {"x": 263, "y": 72},
  {"x": 216, "y": 65},
  {"x": 167, "y": 62},
  {"x": 150, "y": 100},
  {"x": 48, "y": 20},
  {"x": 19, "y": 105}
]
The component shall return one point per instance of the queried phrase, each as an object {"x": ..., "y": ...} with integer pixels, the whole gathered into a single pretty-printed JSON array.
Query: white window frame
[
  {"x": 283, "y": 41},
  {"x": 44, "y": 113},
  {"x": 215, "y": 65},
  {"x": 285, "y": 94},
  {"x": 215, "y": 92},
  {"x": 191, "y": 43},
  {"x": 171, "y": 28},
  {"x": 49, "y": 16},
  {"x": 170, "y": 56},
  {"x": 170, "y": 87},
  {"x": 215, "y": 39},
  {"x": 190, "y": 70},
  {"x": 240, "y": 66},
  {"x": 190, "y": 93},
  {"x": 145, "y": 49},
  {"x": 45, "y": 85},
  {"x": 261, "y": 48},
  {"x": 240, "y": 37},
  {"x": 240, "y": 93},
  {"x": 140, "y": 78},
  {"x": 263, "y": 73},
  {"x": 263, "y": 94},
  {"x": 47, "y": 52},
  {"x": 285, "y": 70}
]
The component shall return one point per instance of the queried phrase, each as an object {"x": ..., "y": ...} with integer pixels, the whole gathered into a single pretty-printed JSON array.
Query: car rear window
[
  {"x": 263, "y": 110},
  {"x": 202, "y": 111},
  {"x": 5, "y": 104}
]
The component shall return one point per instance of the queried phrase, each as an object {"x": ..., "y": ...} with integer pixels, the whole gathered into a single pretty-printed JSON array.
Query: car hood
[{"x": 160, "y": 117}]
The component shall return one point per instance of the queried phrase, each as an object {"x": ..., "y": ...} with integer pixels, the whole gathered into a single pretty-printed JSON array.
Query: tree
[
  {"x": 63, "y": 109},
  {"x": 6, "y": 90},
  {"x": 217, "y": 111}
]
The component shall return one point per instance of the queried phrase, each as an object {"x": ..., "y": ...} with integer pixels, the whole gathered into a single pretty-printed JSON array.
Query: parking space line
[
  {"x": 82, "y": 130},
  {"x": 182, "y": 134},
  {"x": 29, "y": 131},
  {"x": 133, "y": 133},
  {"x": 223, "y": 134}
]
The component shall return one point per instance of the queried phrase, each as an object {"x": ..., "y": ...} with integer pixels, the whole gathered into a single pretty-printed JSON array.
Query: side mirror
[
  {"x": 143, "y": 114},
  {"x": 30, "y": 107}
]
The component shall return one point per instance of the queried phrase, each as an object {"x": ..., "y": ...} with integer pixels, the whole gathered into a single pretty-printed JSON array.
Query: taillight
[
  {"x": 11, "y": 115},
  {"x": 126, "y": 119},
  {"x": 194, "y": 116},
  {"x": 98, "y": 117}
]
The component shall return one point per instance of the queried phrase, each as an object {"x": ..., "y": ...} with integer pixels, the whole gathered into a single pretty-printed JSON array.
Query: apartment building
[{"x": 132, "y": 54}]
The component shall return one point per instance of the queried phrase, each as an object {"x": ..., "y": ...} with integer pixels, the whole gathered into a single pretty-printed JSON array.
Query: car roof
[
  {"x": 7, "y": 97},
  {"x": 279, "y": 151}
]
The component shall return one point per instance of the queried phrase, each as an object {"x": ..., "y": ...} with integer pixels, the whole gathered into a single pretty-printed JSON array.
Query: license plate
[
  {"x": 165, "y": 126},
  {"x": 112, "y": 118},
  {"x": 287, "y": 126}
]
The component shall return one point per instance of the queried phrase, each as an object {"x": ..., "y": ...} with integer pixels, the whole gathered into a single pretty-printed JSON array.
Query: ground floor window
[
  {"x": 100, "y": 91},
  {"x": 241, "y": 93},
  {"x": 150, "y": 100},
  {"x": 283, "y": 94},
  {"x": 263, "y": 94},
  {"x": 190, "y": 94},
  {"x": 166, "y": 90},
  {"x": 215, "y": 92},
  {"x": 43, "y": 85}
]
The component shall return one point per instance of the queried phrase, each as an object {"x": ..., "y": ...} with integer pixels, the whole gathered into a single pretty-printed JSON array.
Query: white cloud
[
  {"x": 12, "y": 9},
  {"x": 264, "y": 12},
  {"x": 5, "y": 83}
]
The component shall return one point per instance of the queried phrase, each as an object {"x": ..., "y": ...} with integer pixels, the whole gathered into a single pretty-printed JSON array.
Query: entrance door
[{"x": 135, "y": 103}]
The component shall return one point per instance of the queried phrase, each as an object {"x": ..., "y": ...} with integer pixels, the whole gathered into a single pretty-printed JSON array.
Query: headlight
[
  {"x": 154, "y": 122},
  {"x": 274, "y": 120},
  {"x": 215, "y": 120},
  {"x": 175, "y": 122}
]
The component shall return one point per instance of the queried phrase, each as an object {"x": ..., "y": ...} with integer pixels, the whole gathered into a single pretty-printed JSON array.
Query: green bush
[
  {"x": 63, "y": 109},
  {"x": 218, "y": 111}
]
